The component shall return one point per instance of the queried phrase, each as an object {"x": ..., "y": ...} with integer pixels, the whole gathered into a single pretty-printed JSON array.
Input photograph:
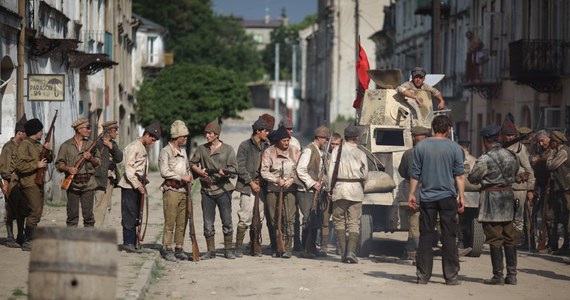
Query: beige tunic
[
  {"x": 136, "y": 164},
  {"x": 353, "y": 165},
  {"x": 274, "y": 160},
  {"x": 173, "y": 165}
]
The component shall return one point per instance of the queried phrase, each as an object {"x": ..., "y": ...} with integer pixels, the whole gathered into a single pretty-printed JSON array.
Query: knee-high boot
[
  {"x": 211, "y": 246},
  {"x": 511, "y": 258},
  {"x": 341, "y": 244},
  {"x": 497, "y": 262}
]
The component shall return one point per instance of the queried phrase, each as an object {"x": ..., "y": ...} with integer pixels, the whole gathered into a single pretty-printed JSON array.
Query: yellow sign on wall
[{"x": 46, "y": 87}]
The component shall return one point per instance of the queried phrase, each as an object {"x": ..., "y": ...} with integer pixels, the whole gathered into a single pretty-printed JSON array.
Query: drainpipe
[{"x": 20, "y": 69}]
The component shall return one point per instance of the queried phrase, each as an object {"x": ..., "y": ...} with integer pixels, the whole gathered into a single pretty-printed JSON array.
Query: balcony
[
  {"x": 484, "y": 77},
  {"x": 423, "y": 7},
  {"x": 537, "y": 63}
]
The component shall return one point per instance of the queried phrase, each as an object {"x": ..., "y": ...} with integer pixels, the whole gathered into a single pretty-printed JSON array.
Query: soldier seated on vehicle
[{"x": 410, "y": 88}]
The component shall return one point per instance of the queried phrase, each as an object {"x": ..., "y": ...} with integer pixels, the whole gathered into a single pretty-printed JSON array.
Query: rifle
[
  {"x": 312, "y": 223},
  {"x": 209, "y": 181},
  {"x": 40, "y": 173},
  {"x": 140, "y": 231},
  {"x": 543, "y": 231},
  {"x": 529, "y": 224},
  {"x": 217, "y": 171},
  {"x": 67, "y": 181},
  {"x": 190, "y": 211},
  {"x": 255, "y": 228},
  {"x": 279, "y": 241},
  {"x": 335, "y": 172}
]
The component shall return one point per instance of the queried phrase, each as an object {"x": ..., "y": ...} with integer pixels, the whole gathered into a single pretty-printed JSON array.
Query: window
[{"x": 150, "y": 49}]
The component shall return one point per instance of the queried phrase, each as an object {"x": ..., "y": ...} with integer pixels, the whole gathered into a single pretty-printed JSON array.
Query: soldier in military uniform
[
  {"x": 278, "y": 170},
  {"x": 209, "y": 162},
  {"x": 26, "y": 163},
  {"x": 106, "y": 174},
  {"x": 309, "y": 170},
  {"x": 559, "y": 165},
  {"x": 405, "y": 168},
  {"x": 249, "y": 180},
  {"x": 523, "y": 187},
  {"x": 409, "y": 88},
  {"x": 132, "y": 185},
  {"x": 348, "y": 192},
  {"x": 175, "y": 169},
  {"x": 15, "y": 206},
  {"x": 496, "y": 170}
]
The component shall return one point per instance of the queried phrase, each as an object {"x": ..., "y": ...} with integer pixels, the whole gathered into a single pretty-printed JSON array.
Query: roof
[{"x": 149, "y": 25}]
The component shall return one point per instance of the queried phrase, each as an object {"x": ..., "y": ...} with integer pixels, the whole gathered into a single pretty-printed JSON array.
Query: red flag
[{"x": 363, "y": 79}]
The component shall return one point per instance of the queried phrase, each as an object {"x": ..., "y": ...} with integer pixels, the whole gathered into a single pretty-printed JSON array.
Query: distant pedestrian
[{"x": 438, "y": 165}]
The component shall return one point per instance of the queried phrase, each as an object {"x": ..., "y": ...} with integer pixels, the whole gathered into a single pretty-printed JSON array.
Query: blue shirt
[{"x": 436, "y": 163}]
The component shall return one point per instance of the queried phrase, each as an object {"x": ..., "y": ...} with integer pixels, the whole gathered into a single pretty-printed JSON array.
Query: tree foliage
[
  {"x": 195, "y": 94},
  {"x": 198, "y": 36}
]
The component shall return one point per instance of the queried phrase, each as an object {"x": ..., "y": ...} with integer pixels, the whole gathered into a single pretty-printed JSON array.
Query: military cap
[
  {"x": 110, "y": 125},
  {"x": 154, "y": 129},
  {"x": 21, "y": 123},
  {"x": 214, "y": 127},
  {"x": 322, "y": 131},
  {"x": 558, "y": 136},
  {"x": 33, "y": 126},
  {"x": 279, "y": 134},
  {"x": 287, "y": 124},
  {"x": 351, "y": 131},
  {"x": 418, "y": 71},
  {"x": 178, "y": 129},
  {"x": 269, "y": 119},
  {"x": 79, "y": 123},
  {"x": 489, "y": 131},
  {"x": 525, "y": 130},
  {"x": 260, "y": 124},
  {"x": 419, "y": 130},
  {"x": 508, "y": 128}
]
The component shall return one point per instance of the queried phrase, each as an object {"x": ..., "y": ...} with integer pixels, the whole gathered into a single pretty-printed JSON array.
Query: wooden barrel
[{"x": 73, "y": 263}]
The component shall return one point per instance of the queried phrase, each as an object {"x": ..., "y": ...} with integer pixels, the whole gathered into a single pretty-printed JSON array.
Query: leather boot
[
  {"x": 351, "y": 248},
  {"x": 324, "y": 246},
  {"x": 288, "y": 247},
  {"x": 211, "y": 252},
  {"x": 228, "y": 252},
  {"x": 511, "y": 259},
  {"x": 497, "y": 262},
  {"x": 341, "y": 244},
  {"x": 27, "y": 245},
  {"x": 21, "y": 237},
  {"x": 240, "y": 234},
  {"x": 10, "y": 242}
]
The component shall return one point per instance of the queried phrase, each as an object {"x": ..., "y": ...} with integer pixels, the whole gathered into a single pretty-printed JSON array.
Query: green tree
[
  {"x": 195, "y": 94},
  {"x": 199, "y": 36}
]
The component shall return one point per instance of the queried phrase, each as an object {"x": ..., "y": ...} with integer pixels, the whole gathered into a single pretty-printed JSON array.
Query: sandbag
[{"x": 379, "y": 182}]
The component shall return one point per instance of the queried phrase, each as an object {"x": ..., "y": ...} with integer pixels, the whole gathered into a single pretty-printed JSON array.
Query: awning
[
  {"x": 90, "y": 63},
  {"x": 43, "y": 46}
]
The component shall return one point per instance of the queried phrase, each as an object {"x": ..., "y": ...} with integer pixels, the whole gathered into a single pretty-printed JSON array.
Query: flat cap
[
  {"x": 287, "y": 123},
  {"x": 214, "y": 127},
  {"x": 79, "y": 123},
  {"x": 419, "y": 130},
  {"x": 154, "y": 129},
  {"x": 418, "y": 71},
  {"x": 110, "y": 124},
  {"x": 269, "y": 119},
  {"x": 21, "y": 123},
  {"x": 322, "y": 131},
  {"x": 558, "y": 136},
  {"x": 351, "y": 131},
  {"x": 178, "y": 129},
  {"x": 525, "y": 130},
  {"x": 260, "y": 124},
  {"x": 490, "y": 130}
]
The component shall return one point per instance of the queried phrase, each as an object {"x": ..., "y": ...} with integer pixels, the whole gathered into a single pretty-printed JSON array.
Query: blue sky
[{"x": 255, "y": 9}]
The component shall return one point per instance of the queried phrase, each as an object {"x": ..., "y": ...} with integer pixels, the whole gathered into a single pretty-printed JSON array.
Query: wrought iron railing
[{"x": 536, "y": 58}]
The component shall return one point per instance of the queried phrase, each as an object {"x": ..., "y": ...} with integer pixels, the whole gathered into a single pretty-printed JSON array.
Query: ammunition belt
[
  {"x": 81, "y": 178},
  {"x": 174, "y": 184}
]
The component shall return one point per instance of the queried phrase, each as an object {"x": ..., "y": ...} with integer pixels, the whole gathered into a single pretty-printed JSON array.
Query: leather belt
[
  {"x": 349, "y": 180},
  {"x": 174, "y": 184},
  {"x": 81, "y": 178},
  {"x": 497, "y": 188}
]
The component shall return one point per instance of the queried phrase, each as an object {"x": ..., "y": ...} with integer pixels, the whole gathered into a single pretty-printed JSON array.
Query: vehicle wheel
[
  {"x": 366, "y": 230},
  {"x": 477, "y": 238}
]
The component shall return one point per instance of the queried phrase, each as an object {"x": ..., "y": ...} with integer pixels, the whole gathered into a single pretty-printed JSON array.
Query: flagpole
[{"x": 276, "y": 85}]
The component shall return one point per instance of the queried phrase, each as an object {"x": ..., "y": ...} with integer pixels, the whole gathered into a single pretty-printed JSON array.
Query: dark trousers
[
  {"x": 447, "y": 209},
  {"x": 224, "y": 203},
  {"x": 130, "y": 209},
  {"x": 86, "y": 199}
]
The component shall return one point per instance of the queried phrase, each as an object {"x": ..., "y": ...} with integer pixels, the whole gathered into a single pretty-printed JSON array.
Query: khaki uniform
[
  {"x": 16, "y": 208},
  {"x": 25, "y": 166},
  {"x": 82, "y": 188},
  {"x": 521, "y": 187},
  {"x": 405, "y": 169},
  {"x": 559, "y": 166},
  {"x": 409, "y": 86},
  {"x": 106, "y": 176},
  {"x": 173, "y": 165}
]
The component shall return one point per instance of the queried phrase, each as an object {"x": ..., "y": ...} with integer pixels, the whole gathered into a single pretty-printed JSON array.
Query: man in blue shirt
[{"x": 438, "y": 165}]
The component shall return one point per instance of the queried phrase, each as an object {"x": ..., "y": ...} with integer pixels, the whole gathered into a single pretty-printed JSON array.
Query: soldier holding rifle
[
  {"x": 133, "y": 183},
  {"x": 78, "y": 158},
  {"x": 212, "y": 162},
  {"x": 26, "y": 163},
  {"x": 15, "y": 206},
  {"x": 349, "y": 167},
  {"x": 106, "y": 174},
  {"x": 278, "y": 169},
  {"x": 175, "y": 169},
  {"x": 249, "y": 185},
  {"x": 310, "y": 172}
]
